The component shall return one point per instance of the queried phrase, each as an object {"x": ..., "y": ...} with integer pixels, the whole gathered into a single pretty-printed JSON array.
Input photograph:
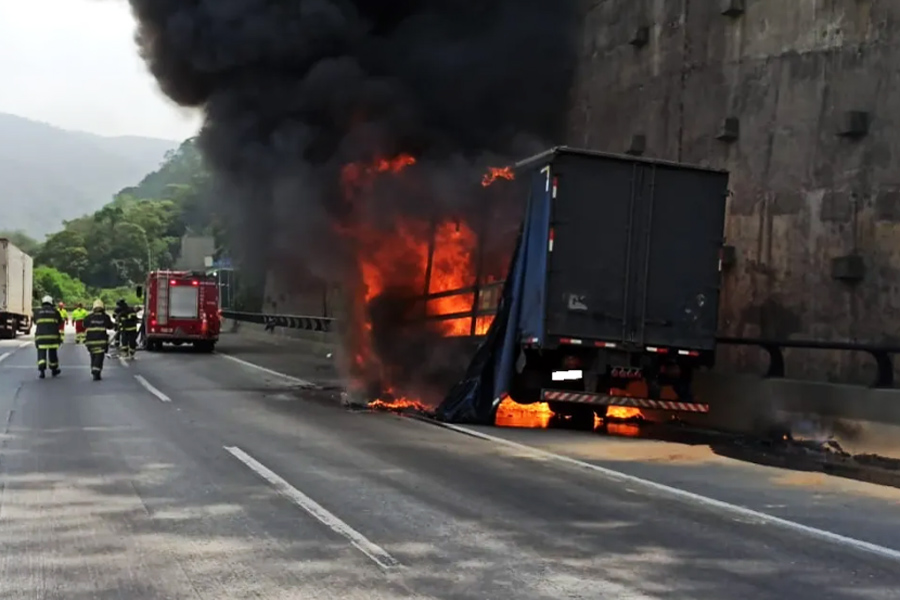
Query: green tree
[
  {"x": 140, "y": 228},
  {"x": 65, "y": 251},
  {"x": 59, "y": 286}
]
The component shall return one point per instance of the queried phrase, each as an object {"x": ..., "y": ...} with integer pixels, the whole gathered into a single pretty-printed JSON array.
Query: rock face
[{"x": 800, "y": 101}]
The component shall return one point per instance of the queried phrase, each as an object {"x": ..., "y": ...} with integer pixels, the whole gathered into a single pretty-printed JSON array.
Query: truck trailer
[
  {"x": 16, "y": 282},
  {"x": 180, "y": 307},
  {"x": 612, "y": 295}
]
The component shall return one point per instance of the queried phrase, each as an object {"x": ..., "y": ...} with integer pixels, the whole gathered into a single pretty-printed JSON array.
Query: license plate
[{"x": 627, "y": 372}]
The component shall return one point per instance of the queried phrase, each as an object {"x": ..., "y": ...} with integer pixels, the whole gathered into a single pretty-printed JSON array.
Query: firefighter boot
[{"x": 41, "y": 374}]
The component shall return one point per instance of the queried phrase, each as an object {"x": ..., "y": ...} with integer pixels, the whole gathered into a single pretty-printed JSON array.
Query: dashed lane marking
[
  {"x": 4, "y": 356},
  {"x": 149, "y": 387},
  {"x": 375, "y": 552},
  {"x": 296, "y": 380}
]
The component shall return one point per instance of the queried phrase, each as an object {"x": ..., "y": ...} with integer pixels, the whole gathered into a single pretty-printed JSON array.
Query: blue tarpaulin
[{"x": 519, "y": 315}]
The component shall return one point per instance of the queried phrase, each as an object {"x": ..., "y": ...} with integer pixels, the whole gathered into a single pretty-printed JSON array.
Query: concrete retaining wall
[
  {"x": 863, "y": 420},
  {"x": 803, "y": 195}
]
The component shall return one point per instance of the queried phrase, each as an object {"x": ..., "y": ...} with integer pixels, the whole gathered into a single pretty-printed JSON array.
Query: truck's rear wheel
[
  {"x": 576, "y": 416},
  {"x": 204, "y": 346}
]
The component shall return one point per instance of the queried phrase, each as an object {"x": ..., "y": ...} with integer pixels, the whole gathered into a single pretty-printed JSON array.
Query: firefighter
[
  {"x": 128, "y": 324},
  {"x": 121, "y": 307},
  {"x": 96, "y": 325},
  {"x": 78, "y": 316},
  {"x": 48, "y": 336},
  {"x": 61, "y": 308}
]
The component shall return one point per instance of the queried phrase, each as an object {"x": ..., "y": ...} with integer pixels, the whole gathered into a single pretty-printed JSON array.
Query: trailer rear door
[
  {"x": 183, "y": 301},
  {"x": 635, "y": 252}
]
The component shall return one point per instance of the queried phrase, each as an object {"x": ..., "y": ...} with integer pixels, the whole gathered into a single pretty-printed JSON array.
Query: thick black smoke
[{"x": 294, "y": 90}]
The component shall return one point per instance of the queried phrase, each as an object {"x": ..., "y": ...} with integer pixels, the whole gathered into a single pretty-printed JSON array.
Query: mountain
[{"x": 49, "y": 174}]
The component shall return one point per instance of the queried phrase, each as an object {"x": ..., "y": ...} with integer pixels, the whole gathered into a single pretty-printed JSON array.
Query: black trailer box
[{"x": 633, "y": 249}]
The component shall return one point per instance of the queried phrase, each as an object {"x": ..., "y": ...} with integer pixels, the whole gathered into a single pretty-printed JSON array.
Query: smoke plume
[{"x": 292, "y": 91}]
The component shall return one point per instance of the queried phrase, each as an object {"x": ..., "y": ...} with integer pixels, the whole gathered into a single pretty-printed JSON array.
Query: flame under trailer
[{"x": 612, "y": 295}]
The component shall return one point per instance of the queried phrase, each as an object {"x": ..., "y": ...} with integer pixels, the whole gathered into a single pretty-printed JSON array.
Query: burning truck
[
  {"x": 583, "y": 280},
  {"x": 612, "y": 296}
]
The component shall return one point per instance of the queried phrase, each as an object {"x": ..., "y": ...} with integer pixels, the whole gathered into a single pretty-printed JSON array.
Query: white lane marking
[
  {"x": 290, "y": 378},
  {"x": 681, "y": 494},
  {"x": 123, "y": 362},
  {"x": 4, "y": 356},
  {"x": 149, "y": 387},
  {"x": 378, "y": 554},
  {"x": 25, "y": 344},
  {"x": 762, "y": 517}
]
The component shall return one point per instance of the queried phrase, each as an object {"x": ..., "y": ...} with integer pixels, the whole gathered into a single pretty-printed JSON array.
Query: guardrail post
[
  {"x": 776, "y": 361},
  {"x": 885, "y": 377}
]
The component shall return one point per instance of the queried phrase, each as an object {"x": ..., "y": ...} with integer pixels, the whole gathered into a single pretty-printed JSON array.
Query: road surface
[{"x": 196, "y": 476}]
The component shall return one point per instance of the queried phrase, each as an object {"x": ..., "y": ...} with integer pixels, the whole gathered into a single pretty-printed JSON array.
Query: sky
[{"x": 74, "y": 64}]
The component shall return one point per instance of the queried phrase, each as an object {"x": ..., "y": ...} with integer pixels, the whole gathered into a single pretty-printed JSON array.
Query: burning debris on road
[{"x": 345, "y": 135}]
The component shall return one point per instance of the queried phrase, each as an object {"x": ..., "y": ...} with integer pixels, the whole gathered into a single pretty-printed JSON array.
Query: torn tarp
[{"x": 489, "y": 375}]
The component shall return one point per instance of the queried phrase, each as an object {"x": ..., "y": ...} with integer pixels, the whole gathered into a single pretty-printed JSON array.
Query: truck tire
[
  {"x": 573, "y": 416},
  {"x": 205, "y": 346}
]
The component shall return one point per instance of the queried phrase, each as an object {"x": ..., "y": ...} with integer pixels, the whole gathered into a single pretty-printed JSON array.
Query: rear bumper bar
[
  {"x": 605, "y": 400},
  {"x": 171, "y": 337}
]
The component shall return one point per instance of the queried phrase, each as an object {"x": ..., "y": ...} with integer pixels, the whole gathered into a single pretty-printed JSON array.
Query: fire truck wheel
[{"x": 204, "y": 346}]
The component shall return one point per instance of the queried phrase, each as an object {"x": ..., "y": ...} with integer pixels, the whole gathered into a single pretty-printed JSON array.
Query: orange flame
[
  {"x": 399, "y": 257},
  {"x": 398, "y": 404},
  {"x": 623, "y": 413},
  {"x": 512, "y": 414},
  {"x": 495, "y": 173}
]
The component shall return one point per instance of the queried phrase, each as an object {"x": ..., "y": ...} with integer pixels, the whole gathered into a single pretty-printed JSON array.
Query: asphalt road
[{"x": 195, "y": 476}]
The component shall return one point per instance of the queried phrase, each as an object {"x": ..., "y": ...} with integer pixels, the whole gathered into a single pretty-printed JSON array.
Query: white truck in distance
[{"x": 16, "y": 281}]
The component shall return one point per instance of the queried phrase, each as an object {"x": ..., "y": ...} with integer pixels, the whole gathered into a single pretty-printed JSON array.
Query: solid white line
[
  {"x": 149, "y": 387},
  {"x": 749, "y": 513},
  {"x": 297, "y": 380},
  {"x": 681, "y": 494},
  {"x": 4, "y": 356},
  {"x": 378, "y": 554}
]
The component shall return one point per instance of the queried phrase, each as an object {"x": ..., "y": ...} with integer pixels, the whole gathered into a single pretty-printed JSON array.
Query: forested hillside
[
  {"x": 105, "y": 253},
  {"x": 50, "y": 174}
]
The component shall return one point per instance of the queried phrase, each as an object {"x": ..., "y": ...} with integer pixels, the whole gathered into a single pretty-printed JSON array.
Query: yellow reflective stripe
[
  {"x": 95, "y": 329},
  {"x": 39, "y": 321}
]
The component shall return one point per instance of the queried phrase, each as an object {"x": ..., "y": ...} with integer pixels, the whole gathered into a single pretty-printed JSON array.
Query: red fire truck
[{"x": 180, "y": 307}]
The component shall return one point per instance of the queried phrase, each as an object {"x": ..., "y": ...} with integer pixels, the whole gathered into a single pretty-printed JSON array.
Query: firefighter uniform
[
  {"x": 47, "y": 337},
  {"x": 128, "y": 326},
  {"x": 96, "y": 326},
  {"x": 78, "y": 316},
  {"x": 65, "y": 317}
]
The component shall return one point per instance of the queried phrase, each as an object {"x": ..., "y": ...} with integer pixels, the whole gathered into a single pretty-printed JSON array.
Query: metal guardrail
[
  {"x": 306, "y": 323},
  {"x": 883, "y": 354}
]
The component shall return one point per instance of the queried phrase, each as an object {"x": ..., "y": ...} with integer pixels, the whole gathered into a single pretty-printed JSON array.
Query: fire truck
[{"x": 180, "y": 307}]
